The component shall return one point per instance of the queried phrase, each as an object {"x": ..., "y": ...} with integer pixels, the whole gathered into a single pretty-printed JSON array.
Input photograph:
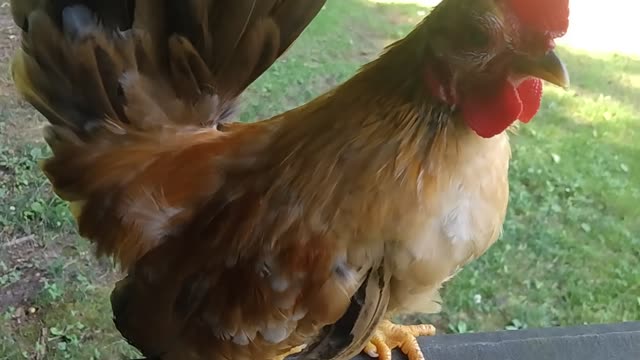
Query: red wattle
[
  {"x": 530, "y": 93},
  {"x": 491, "y": 115}
]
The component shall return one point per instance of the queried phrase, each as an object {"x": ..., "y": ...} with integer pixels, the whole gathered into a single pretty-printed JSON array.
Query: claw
[
  {"x": 389, "y": 336},
  {"x": 293, "y": 351}
]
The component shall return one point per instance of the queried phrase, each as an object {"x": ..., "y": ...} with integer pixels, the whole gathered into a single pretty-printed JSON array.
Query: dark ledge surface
[{"x": 595, "y": 342}]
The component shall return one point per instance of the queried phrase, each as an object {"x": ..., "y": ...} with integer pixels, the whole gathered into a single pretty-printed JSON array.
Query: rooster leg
[{"x": 389, "y": 336}]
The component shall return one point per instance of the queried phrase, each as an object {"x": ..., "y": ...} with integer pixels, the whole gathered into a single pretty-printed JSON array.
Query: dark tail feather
[
  {"x": 348, "y": 336},
  {"x": 85, "y": 61},
  {"x": 151, "y": 336}
]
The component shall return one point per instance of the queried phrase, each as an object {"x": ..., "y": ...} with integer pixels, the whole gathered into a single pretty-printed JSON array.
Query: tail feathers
[
  {"x": 128, "y": 85},
  {"x": 114, "y": 14},
  {"x": 133, "y": 315},
  {"x": 144, "y": 63},
  {"x": 85, "y": 77},
  {"x": 113, "y": 133}
]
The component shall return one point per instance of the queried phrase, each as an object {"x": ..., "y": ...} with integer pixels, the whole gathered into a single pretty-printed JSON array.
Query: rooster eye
[{"x": 477, "y": 37}]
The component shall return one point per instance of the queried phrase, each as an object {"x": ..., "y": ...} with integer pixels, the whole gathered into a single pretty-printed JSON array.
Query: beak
[{"x": 548, "y": 67}]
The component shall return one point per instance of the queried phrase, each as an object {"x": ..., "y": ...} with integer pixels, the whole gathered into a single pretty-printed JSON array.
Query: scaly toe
[
  {"x": 293, "y": 351},
  {"x": 378, "y": 348},
  {"x": 389, "y": 336}
]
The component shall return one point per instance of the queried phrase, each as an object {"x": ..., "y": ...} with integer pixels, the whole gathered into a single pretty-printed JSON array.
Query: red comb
[{"x": 549, "y": 16}]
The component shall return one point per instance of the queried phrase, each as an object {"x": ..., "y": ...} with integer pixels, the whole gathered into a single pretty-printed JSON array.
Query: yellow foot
[
  {"x": 293, "y": 351},
  {"x": 389, "y": 336}
]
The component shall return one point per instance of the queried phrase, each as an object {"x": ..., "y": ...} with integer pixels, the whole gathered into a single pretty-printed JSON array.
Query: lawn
[{"x": 570, "y": 250}]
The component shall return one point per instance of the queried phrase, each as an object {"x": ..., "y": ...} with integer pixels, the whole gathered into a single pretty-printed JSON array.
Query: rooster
[{"x": 303, "y": 234}]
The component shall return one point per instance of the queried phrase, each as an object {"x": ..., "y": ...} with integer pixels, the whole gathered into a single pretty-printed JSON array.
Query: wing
[
  {"x": 345, "y": 338},
  {"x": 245, "y": 283}
]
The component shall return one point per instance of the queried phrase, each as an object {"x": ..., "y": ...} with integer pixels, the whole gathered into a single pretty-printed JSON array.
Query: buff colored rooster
[{"x": 300, "y": 235}]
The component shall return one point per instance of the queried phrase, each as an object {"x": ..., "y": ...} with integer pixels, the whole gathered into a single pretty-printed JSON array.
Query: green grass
[{"x": 568, "y": 255}]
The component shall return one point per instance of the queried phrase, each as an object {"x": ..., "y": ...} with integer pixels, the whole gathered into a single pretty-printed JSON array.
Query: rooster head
[{"x": 487, "y": 58}]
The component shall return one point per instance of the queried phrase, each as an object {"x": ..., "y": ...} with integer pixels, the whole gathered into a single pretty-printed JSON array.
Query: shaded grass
[{"x": 569, "y": 253}]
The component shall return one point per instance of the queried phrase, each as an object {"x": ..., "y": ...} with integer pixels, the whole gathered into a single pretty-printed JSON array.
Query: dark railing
[{"x": 595, "y": 342}]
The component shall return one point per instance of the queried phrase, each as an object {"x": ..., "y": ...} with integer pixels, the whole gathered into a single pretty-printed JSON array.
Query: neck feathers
[{"x": 380, "y": 123}]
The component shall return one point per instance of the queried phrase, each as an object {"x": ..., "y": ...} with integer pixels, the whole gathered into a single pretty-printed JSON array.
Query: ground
[{"x": 570, "y": 247}]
